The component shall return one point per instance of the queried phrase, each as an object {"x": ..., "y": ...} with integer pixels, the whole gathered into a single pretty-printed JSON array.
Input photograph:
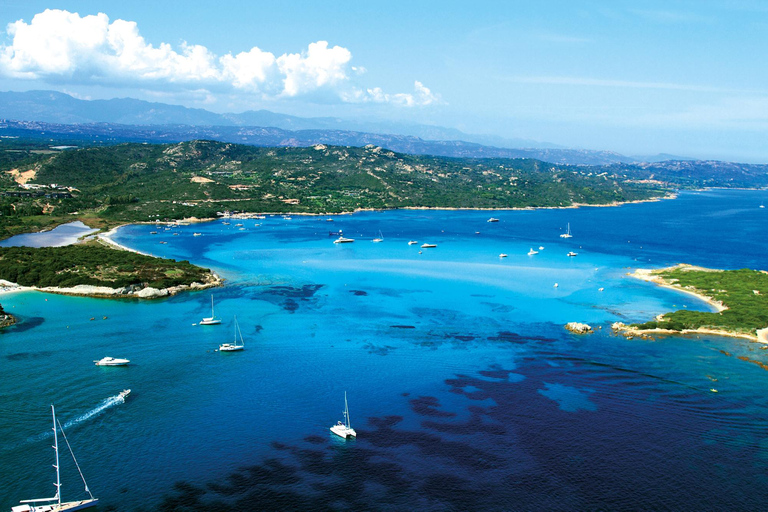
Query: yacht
[
  {"x": 412, "y": 242},
  {"x": 197, "y": 234},
  {"x": 567, "y": 233},
  {"x": 380, "y": 239},
  {"x": 502, "y": 255},
  {"x": 211, "y": 320},
  {"x": 112, "y": 361},
  {"x": 55, "y": 504},
  {"x": 532, "y": 252},
  {"x": 573, "y": 253},
  {"x": 233, "y": 347},
  {"x": 344, "y": 428},
  {"x": 493, "y": 219},
  {"x": 428, "y": 246},
  {"x": 342, "y": 240}
]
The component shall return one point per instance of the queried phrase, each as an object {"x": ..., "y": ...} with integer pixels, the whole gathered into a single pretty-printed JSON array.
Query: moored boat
[{"x": 112, "y": 361}]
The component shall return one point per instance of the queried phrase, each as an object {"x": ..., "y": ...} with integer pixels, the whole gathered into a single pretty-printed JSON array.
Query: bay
[{"x": 464, "y": 388}]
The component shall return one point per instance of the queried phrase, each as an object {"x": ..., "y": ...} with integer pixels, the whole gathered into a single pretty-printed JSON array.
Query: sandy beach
[{"x": 653, "y": 276}]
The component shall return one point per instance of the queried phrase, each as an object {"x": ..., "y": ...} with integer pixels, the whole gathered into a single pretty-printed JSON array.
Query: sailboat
[
  {"x": 55, "y": 504},
  {"x": 380, "y": 239},
  {"x": 344, "y": 428},
  {"x": 211, "y": 320},
  {"x": 233, "y": 347},
  {"x": 567, "y": 233}
]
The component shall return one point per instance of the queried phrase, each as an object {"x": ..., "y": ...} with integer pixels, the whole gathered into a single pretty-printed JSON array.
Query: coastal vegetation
[
  {"x": 139, "y": 182},
  {"x": 92, "y": 264},
  {"x": 743, "y": 293}
]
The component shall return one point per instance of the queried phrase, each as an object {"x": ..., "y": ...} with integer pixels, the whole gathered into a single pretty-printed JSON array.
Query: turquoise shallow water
[{"x": 464, "y": 388}]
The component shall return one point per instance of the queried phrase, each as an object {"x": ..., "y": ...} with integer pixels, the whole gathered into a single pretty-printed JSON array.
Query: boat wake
[{"x": 103, "y": 406}]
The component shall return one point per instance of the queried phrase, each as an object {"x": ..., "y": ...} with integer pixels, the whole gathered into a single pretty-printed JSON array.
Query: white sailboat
[
  {"x": 344, "y": 428},
  {"x": 211, "y": 320},
  {"x": 532, "y": 252},
  {"x": 380, "y": 239},
  {"x": 55, "y": 504},
  {"x": 567, "y": 233},
  {"x": 233, "y": 347}
]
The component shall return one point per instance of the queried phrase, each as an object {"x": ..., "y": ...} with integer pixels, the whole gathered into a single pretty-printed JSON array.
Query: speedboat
[
  {"x": 493, "y": 219},
  {"x": 112, "y": 361},
  {"x": 412, "y": 242},
  {"x": 502, "y": 255},
  {"x": 342, "y": 240},
  {"x": 428, "y": 246},
  {"x": 532, "y": 252},
  {"x": 573, "y": 253},
  {"x": 124, "y": 393}
]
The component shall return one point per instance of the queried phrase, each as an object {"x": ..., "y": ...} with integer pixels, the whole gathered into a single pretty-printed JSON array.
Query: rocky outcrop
[{"x": 578, "y": 328}]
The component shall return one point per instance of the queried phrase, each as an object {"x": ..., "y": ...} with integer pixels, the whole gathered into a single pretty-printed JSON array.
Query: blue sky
[{"x": 681, "y": 77}]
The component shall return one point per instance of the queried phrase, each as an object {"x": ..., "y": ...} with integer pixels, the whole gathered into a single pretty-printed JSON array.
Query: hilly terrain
[
  {"x": 138, "y": 182},
  {"x": 131, "y": 120}
]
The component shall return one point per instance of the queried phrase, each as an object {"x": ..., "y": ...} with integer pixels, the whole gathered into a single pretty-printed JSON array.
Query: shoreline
[{"x": 651, "y": 276}]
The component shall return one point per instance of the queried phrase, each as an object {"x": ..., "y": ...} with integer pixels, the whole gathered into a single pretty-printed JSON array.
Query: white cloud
[{"x": 61, "y": 47}]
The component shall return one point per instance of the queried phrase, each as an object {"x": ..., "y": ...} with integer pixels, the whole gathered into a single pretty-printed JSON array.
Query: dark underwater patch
[
  {"x": 20, "y": 356},
  {"x": 305, "y": 292},
  {"x": 25, "y": 324},
  {"x": 358, "y": 293}
]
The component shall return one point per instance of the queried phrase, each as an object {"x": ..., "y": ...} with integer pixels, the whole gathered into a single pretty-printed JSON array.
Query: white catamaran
[
  {"x": 567, "y": 233},
  {"x": 212, "y": 320},
  {"x": 233, "y": 347},
  {"x": 344, "y": 428},
  {"x": 55, "y": 504}
]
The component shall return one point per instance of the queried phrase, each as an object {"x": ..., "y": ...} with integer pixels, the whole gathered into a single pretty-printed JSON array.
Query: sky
[{"x": 687, "y": 78}]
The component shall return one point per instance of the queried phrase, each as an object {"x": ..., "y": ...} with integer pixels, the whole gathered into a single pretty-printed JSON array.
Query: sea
[{"x": 464, "y": 388}]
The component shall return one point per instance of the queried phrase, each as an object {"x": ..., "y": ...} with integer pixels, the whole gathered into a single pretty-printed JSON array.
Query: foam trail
[{"x": 103, "y": 406}]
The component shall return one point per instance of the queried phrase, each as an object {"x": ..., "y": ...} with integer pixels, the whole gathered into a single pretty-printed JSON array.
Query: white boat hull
[
  {"x": 111, "y": 361},
  {"x": 210, "y": 321},
  {"x": 64, "y": 507},
  {"x": 343, "y": 431},
  {"x": 227, "y": 347}
]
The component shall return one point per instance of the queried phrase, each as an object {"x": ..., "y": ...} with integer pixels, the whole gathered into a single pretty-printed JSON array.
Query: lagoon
[{"x": 464, "y": 388}]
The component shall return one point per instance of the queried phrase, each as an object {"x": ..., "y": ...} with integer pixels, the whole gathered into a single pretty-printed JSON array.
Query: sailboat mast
[
  {"x": 212, "y": 314},
  {"x": 56, "y": 449},
  {"x": 346, "y": 411}
]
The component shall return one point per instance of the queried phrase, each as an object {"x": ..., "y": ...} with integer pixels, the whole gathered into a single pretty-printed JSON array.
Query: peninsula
[
  {"x": 97, "y": 271},
  {"x": 740, "y": 298}
]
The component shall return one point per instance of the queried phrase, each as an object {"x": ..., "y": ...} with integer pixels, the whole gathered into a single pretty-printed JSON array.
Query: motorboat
[
  {"x": 124, "y": 393},
  {"x": 493, "y": 219},
  {"x": 342, "y": 240},
  {"x": 197, "y": 234},
  {"x": 573, "y": 253},
  {"x": 344, "y": 428},
  {"x": 502, "y": 255},
  {"x": 428, "y": 246},
  {"x": 532, "y": 252},
  {"x": 112, "y": 361},
  {"x": 412, "y": 242}
]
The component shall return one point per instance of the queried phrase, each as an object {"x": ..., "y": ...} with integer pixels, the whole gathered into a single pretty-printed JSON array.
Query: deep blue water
[{"x": 464, "y": 388}]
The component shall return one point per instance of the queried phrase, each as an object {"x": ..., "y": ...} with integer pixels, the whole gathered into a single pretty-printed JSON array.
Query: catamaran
[
  {"x": 211, "y": 320},
  {"x": 344, "y": 428},
  {"x": 55, "y": 504},
  {"x": 233, "y": 347},
  {"x": 567, "y": 233}
]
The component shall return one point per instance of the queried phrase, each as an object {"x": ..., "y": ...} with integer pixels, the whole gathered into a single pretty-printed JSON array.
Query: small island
[
  {"x": 739, "y": 296},
  {"x": 98, "y": 271}
]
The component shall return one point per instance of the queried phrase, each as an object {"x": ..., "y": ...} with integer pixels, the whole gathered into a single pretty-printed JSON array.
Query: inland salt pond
[{"x": 464, "y": 388}]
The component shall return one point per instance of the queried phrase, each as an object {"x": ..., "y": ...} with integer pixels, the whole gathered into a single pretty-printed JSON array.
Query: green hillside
[{"x": 135, "y": 182}]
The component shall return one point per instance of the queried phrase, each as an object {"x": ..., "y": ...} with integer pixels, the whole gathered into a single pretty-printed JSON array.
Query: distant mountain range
[{"x": 141, "y": 121}]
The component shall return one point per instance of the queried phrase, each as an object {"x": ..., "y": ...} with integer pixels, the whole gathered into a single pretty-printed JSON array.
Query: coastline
[{"x": 651, "y": 275}]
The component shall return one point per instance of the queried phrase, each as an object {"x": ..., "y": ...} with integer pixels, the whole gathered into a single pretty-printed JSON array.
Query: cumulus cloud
[{"x": 63, "y": 47}]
